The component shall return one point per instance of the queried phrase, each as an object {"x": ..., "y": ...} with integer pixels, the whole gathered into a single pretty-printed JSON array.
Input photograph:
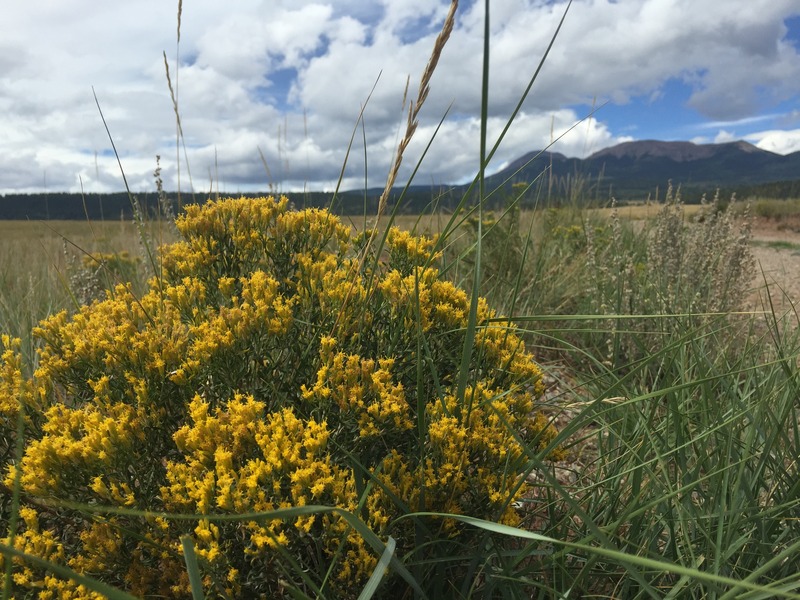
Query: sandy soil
[{"x": 779, "y": 267}]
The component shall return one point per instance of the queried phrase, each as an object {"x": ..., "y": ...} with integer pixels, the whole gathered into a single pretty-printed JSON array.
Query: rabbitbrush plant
[{"x": 269, "y": 366}]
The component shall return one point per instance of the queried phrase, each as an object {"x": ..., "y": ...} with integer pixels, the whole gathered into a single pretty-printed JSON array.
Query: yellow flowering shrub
[{"x": 269, "y": 366}]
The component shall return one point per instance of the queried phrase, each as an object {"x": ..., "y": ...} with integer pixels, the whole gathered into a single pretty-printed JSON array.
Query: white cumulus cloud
[
  {"x": 780, "y": 142},
  {"x": 288, "y": 80}
]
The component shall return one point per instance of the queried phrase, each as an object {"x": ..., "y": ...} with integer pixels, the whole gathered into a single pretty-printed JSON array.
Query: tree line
[
  {"x": 121, "y": 205},
  {"x": 414, "y": 200}
]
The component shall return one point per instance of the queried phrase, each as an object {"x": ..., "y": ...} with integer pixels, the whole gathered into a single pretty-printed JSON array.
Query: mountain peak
[
  {"x": 676, "y": 151},
  {"x": 635, "y": 169}
]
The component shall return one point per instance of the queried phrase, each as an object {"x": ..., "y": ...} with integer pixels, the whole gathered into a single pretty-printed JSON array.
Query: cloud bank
[{"x": 269, "y": 93}]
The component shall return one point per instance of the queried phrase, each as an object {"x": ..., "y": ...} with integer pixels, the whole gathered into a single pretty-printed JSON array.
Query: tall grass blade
[
  {"x": 193, "y": 569},
  {"x": 469, "y": 340},
  {"x": 621, "y": 558},
  {"x": 375, "y": 579},
  {"x": 137, "y": 211}
]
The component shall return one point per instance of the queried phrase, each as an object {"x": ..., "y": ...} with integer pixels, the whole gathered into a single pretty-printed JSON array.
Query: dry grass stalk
[
  {"x": 180, "y": 11},
  {"x": 414, "y": 107},
  {"x": 173, "y": 92},
  {"x": 411, "y": 127}
]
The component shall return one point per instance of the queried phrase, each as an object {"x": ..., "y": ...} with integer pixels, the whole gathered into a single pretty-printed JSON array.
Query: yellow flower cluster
[
  {"x": 421, "y": 298},
  {"x": 76, "y": 443},
  {"x": 115, "y": 262},
  {"x": 360, "y": 387},
  {"x": 407, "y": 250},
  {"x": 15, "y": 391},
  {"x": 244, "y": 459},
  {"x": 269, "y": 367}
]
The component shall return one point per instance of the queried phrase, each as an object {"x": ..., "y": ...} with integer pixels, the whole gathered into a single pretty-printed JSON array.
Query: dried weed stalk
[
  {"x": 411, "y": 126},
  {"x": 690, "y": 273},
  {"x": 414, "y": 107}
]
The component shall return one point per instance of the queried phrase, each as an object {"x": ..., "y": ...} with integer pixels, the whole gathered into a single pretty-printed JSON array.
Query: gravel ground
[{"x": 777, "y": 265}]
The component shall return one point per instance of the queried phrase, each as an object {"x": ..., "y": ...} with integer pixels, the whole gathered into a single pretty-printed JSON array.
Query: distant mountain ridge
[
  {"x": 627, "y": 171},
  {"x": 631, "y": 169},
  {"x": 677, "y": 151}
]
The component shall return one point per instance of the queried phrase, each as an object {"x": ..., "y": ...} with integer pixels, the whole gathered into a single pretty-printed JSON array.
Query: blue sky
[
  {"x": 287, "y": 80},
  {"x": 669, "y": 116}
]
